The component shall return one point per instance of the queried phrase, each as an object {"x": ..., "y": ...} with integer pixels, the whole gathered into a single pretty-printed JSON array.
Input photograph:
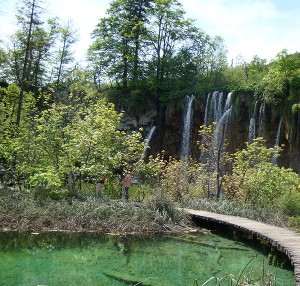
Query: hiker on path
[{"x": 127, "y": 182}]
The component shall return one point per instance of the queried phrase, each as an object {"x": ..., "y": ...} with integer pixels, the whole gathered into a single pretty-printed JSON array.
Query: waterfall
[
  {"x": 218, "y": 112},
  {"x": 185, "y": 144},
  {"x": 274, "y": 159},
  {"x": 206, "y": 122},
  {"x": 147, "y": 141},
  {"x": 215, "y": 107},
  {"x": 206, "y": 110},
  {"x": 220, "y": 107},
  {"x": 261, "y": 119},
  {"x": 220, "y": 130},
  {"x": 213, "y": 156},
  {"x": 278, "y": 133},
  {"x": 252, "y": 127},
  {"x": 228, "y": 101}
]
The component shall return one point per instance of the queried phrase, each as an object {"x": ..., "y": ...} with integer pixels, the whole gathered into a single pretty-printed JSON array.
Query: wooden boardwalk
[{"x": 283, "y": 239}]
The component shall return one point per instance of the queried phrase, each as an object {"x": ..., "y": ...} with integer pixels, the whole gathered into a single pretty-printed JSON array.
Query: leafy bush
[
  {"x": 178, "y": 178},
  {"x": 257, "y": 181},
  {"x": 290, "y": 202},
  {"x": 294, "y": 222},
  {"x": 46, "y": 184},
  {"x": 151, "y": 172}
]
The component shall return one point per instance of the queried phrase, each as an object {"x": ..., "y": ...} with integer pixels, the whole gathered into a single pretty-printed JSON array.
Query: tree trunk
[{"x": 24, "y": 71}]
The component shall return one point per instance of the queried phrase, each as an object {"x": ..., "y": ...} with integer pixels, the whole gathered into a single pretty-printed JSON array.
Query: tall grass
[
  {"x": 243, "y": 278},
  {"x": 21, "y": 212},
  {"x": 236, "y": 209}
]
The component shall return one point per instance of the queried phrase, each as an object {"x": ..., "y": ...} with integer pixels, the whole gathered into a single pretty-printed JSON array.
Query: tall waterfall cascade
[
  {"x": 147, "y": 141},
  {"x": 256, "y": 124},
  {"x": 218, "y": 109},
  {"x": 274, "y": 159},
  {"x": 252, "y": 124},
  {"x": 261, "y": 119},
  {"x": 220, "y": 129},
  {"x": 187, "y": 122}
]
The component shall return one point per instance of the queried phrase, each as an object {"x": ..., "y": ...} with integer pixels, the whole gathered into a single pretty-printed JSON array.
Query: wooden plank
[{"x": 284, "y": 239}]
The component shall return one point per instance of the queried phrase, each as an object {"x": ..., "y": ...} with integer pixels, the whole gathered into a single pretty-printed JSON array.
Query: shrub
[
  {"x": 257, "y": 181},
  {"x": 290, "y": 202},
  {"x": 47, "y": 184},
  {"x": 294, "y": 222}
]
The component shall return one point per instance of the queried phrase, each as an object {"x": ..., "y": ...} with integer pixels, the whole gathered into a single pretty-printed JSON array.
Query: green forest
[{"x": 60, "y": 121}]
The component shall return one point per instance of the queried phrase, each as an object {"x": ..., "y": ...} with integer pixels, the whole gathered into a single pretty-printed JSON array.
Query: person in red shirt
[
  {"x": 127, "y": 181},
  {"x": 100, "y": 185}
]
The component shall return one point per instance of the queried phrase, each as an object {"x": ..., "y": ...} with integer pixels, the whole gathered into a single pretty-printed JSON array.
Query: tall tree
[
  {"x": 150, "y": 42},
  {"x": 166, "y": 31},
  {"x": 118, "y": 39},
  {"x": 139, "y": 19},
  {"x": 28, "y": 15},
  {"x": 3, "y": 62},
  {"x": 67, "y": 36}
]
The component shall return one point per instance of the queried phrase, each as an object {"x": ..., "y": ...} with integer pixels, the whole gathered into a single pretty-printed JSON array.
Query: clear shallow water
[{"x": 94, "y": 259}]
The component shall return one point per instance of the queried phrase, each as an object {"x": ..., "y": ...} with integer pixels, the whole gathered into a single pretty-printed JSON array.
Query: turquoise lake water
[{"x": 97, "y": 259}]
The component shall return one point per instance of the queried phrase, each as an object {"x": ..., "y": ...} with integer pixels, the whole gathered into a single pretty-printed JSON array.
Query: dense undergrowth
[{"x": 21, "y": 212}]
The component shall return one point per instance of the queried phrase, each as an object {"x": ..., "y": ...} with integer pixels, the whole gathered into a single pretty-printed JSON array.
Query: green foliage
[
  {"x": 294, "y": 222},
  {"x": 181, "y": 58},
  {"x": 182, "y": 179},
  {"x": 295, "y": 88},
  {"x": 275, "y": 87},
  {"x": 246, "y": 77},
  {"x": 290, "y": 201},
  {"x": 17, "y": 142},
  {"x": 178, "y": 179},
  {"x": 46, "y": 180},
  {"x": 65, "y": 137},
  {"x": 47, "y": 184},
  {"x": 296, "y": 108},
  {"x": 276, "y": 82},
  {"x": 269, "y": 184},
  {"x": 281, "y": 82},
  {"x": 255, "y": 180},
  {"x": 151, "y": 172}
]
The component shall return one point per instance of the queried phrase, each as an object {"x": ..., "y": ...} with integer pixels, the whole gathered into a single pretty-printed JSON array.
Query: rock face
[{"x": 168, "y": 120}]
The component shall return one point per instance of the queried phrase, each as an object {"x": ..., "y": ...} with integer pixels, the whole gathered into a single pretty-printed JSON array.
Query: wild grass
[
  {"x": 21, "y": 212},
  {"x": 244, "y": 278},
  {"x": 237, "y": 209}
]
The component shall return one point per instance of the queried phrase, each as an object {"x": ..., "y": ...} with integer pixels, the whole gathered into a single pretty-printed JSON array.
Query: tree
[
  {"x": 283, "y": 76},
  {"x": 257, "y": 68},
  {"x": 118, "y": 40},
  {"x": 67, "y": 37},
  {"x": 36, "y": 43},
  {"x": 30, "y": 13},
  {"x": 3, "y": 62},
  {"x": 17, "y": 147},
  {"x": 166, "y": 30}
]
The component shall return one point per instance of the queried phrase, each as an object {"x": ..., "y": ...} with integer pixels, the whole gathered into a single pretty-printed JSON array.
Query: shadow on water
[{"x": 99, "y": 259}]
